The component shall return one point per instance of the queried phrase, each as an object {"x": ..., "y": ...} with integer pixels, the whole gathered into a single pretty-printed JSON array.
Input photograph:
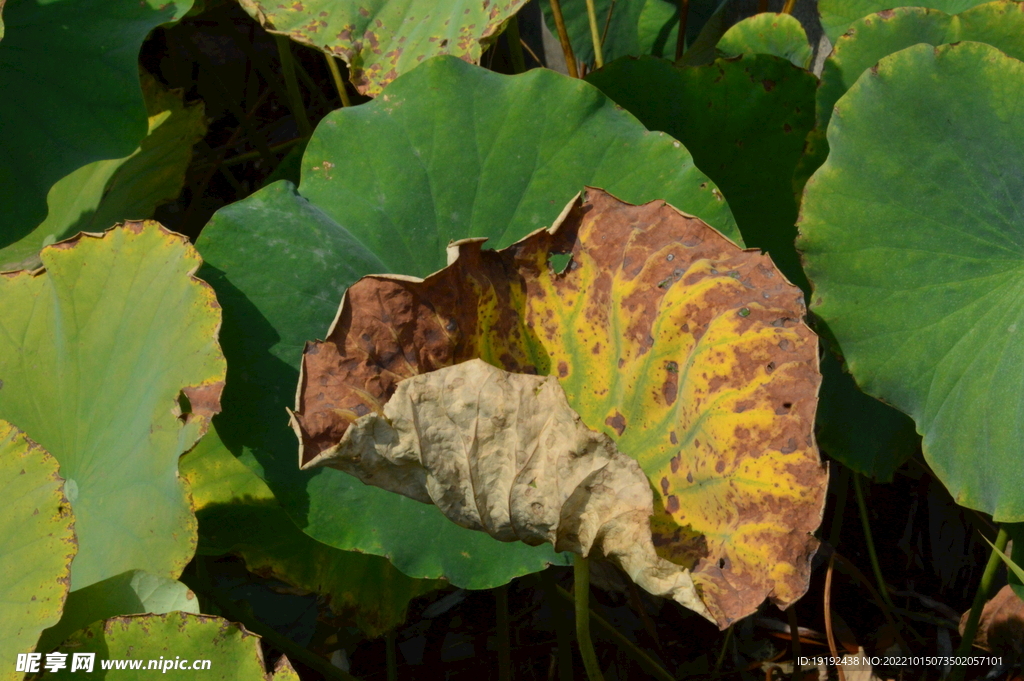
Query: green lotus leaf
[
  {"x": 37, "y": 544},
  {"x": 382, "y": 39},
  {"x": 688, "y": 351},
  {"x": 70, "y": 77},
  {"x": 103, "y": 193},
  {"x": 767, "y": 33},
  {"x": 385, "y": 187},
  {"x": 129, "y": 593},
  {"x": 225, "y": 651},
  {"x": 837, "y": 16},
  {"x": 1000, "y": 24},
  {"x": 238, "y": 514},
  {"x": 912, "y": 235},
  {"x": 109, "y": 359}
]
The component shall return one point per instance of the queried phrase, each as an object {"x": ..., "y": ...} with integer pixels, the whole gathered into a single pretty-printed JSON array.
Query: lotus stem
[
  {"x": 581, "y": 593},
  {"x": 794, "y": 640},
  {"x": 980, "y": 596},
  {"x": 339, "y": 84},
  {"x": 522, "y": 43},
  {"x": 563, "y": 635},
  {"x": 284, "y": 51},
  {"x": 684, "y": 13},
  {"x": 515, "y": 44},
  {"x": 788, "y": 7},
  {"x": 883, "y": 590},
  {"x": 828, "y": 615},
  {"x": 607, "y": 22},
  {"x": 595, "y": 34},
  {"x": 725, "y": 647},
  {"x": 563, "y": 38},
  {"x": 652, "y": 667},
  {"x": 392, "y": 656},
  {"x": 504, "y": 643}
]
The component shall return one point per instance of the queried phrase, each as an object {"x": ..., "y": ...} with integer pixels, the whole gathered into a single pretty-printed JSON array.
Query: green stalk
[
  {"x": 645, "y": 660},
  {"x": 563, "y": 38},
  {"x": 794, "y": 640},
  {"x": 883, "y": 591},
  {"x": 971, "y": 628},
  {"x": 339, "y": 84},
  {"x": 515, "y": 44},
  {"x": 284, "y": 51},
  {"x": 392, "y": 656},
  {"x": 581, "y": 593},
  {"x": 684, "y": 14},
  {"x": 595, "y": 34},
  {"x": 504, "y": 642},
  {"x": 563, "y": 634},
  {"x": 725, "y": 646}
]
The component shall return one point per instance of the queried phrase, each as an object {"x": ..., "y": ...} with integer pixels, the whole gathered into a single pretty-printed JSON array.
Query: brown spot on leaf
[{"x": 616, "y": 422}]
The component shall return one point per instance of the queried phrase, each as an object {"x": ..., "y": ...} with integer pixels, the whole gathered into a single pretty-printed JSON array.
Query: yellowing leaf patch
[{"x": 688, "y": 351}]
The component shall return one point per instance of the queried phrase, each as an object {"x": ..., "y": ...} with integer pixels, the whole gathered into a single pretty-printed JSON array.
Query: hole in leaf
[
  {"x": 559, "y": 262},
  {"x": 184, "y": 407}
]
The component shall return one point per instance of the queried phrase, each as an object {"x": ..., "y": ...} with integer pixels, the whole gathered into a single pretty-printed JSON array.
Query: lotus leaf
[
  {"x": 103, "y": 193},
  {"x": 70, "y": 77},
  {"x": 385, "y": 187},
  {"x": 109, "y": 359},
  {"x": 911, "y": 233},
  {"x": 688, "y": 351},
  {"x": 767, "y": 33},
  {"x": 129, "y": 593},
  {"x": 238, "y": 514},
  {"x": 382, "y": 39},
  {"x": 838, "y": 15},
  {"x": 1000, "y": 24},
  {"x": 231, "y": 652},
  {"x": 37, "y": 544}
]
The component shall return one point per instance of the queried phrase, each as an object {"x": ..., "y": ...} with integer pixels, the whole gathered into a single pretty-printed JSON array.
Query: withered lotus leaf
[
  {"x": 505, "y": 453},
  {"x": 689, "y": 352}
]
